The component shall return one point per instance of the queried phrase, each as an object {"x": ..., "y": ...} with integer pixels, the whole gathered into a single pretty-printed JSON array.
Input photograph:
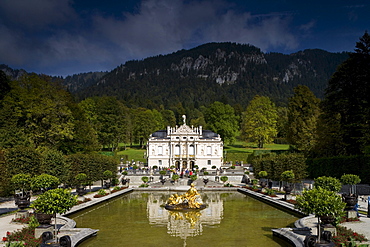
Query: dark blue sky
[{"x": 61, "y": 37}]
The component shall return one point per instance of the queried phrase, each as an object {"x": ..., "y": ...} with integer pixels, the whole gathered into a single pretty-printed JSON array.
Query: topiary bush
[{"x": 328, "y": 183}]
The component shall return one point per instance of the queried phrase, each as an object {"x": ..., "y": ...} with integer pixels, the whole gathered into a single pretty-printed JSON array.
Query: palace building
[{"x": 185, "y": 147}]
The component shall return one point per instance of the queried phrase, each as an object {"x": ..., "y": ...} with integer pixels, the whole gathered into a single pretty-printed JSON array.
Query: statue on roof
[{"x": 184, "y": 119}]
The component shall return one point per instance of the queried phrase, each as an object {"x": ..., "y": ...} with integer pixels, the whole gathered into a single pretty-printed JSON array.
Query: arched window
[
  {"x": 191, "y": 150},
  {"x": 177, "y": 150}
]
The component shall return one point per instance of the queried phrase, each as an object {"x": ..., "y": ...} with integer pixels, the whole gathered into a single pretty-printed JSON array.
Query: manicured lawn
[
  {"x": 133, "y": 153},
  {"x": 243, "y": 147},
  {"x": 240, "y": 150}
]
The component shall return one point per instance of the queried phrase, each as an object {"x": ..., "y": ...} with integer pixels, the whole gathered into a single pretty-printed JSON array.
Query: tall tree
[
  {"x": 281, "y": 124},
  {"x": 113, "y": 120},
  {"x": 259, "y": 121},
  {"x": 37, "y": 108},
  {"x": 169, "y": 118},
  {"x": 144, "y": 124},
  {"x": 303, "y": 113},
  {"x": 347, "y": 103},
  {"x": 221, "y": 119}
]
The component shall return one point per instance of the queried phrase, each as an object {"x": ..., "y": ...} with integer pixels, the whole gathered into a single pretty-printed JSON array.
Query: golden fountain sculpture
[{"x": 191, "y": 200}]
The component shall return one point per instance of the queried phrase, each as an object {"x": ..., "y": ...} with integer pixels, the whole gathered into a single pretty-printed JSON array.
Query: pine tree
[{"x": 347, "y": 101}]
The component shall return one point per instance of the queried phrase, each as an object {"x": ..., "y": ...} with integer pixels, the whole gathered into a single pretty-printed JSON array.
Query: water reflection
[
  {"x": 137, "y": 219},
  {"x": 185, "y": 224}
]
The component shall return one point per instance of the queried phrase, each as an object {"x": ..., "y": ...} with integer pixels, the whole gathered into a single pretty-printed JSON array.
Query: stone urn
[
  {"x": 263, "y": 184},
  {"x": 23, "y": 201},
  {"x": 80, "y": 191},
  {"x": 287, "y": 189},
  {"x": 350, "y": 200},
  {"x": 43, "y": 219},
  {"x": 327, "y": 220}
]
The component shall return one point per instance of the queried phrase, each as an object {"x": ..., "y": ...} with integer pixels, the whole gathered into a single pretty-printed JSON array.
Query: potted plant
[
  {"x": 351, "y": 180},
  {"x": 350, "y": 199},
  {"x": 175, "y": 177},
  {"x": 44, "y": 182},
  {"x": 107, "y": 175},
  {"x": 321, "y": 202},
  {"x": 193, "y": 177},
  {"x": 262, "y": 174},
  {"x": 145, "y": 179},
  {"x": 22, "y": 182},
  {"x": 224, "y": 179},
  {"x": 81, "y": 182},
  {"x": 53, "y": 202},
  {"x": 328, "y": 183},
  {"x": 288, "y": 177},
  {"x": 162, "y": 173}
]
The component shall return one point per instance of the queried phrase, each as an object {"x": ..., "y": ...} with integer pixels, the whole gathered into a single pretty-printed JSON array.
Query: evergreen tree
[
  {"x": 302, "y": 118},
  {"x": 346, "y": 105},
  {"x": 259, "y": 121}
]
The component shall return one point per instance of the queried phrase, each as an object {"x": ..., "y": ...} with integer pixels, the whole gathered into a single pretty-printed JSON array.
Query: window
[
  {"x": 160, "y": 150},
  {"x": 184, "y": 138},
  {"x": 177, "y": 150},
  {"x": 160, "y": 162},
  {"x": 209, "y": 150},
  {"x": 191, "y": 150},
  {"x": 209, "y": 162}
]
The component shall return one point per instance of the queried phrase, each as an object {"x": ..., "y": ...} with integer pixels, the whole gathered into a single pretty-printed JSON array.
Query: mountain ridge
[
  {"x": 228, "y": 72},
  {"x": 235, "y": 72}
]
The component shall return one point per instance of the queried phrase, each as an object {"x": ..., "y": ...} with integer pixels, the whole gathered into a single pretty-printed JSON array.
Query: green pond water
[{"x": 137, "y": 219}]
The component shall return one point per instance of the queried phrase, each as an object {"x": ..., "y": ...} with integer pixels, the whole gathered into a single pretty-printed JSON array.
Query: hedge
[{"x": 337, "y": 166}]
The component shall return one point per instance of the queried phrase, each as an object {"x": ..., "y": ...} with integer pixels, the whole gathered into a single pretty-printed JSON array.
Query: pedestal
[
  {"x": 41, "y": 229},
  {"x": 22, "y": 214},
  {"x": 329, "y": 228},
  {"x": 351, "y": 214}
]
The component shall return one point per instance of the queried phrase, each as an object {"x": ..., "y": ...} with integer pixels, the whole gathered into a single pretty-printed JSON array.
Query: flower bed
[
  {"x": 23, "y": 237},
  {"x": 346, "y": 219},
  {"x": 85, "y": 200},
  {"x": 115, "y": 190},
  {"x": 346, "y": 236},
  {"x": 22, "y": 220}
]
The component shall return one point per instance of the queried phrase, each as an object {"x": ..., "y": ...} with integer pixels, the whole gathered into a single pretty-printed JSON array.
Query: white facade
[{"x": 184, "y": 147}]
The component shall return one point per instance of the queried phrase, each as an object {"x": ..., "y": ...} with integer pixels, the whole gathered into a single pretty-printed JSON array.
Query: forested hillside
[{"x": 226, "y": 72}]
